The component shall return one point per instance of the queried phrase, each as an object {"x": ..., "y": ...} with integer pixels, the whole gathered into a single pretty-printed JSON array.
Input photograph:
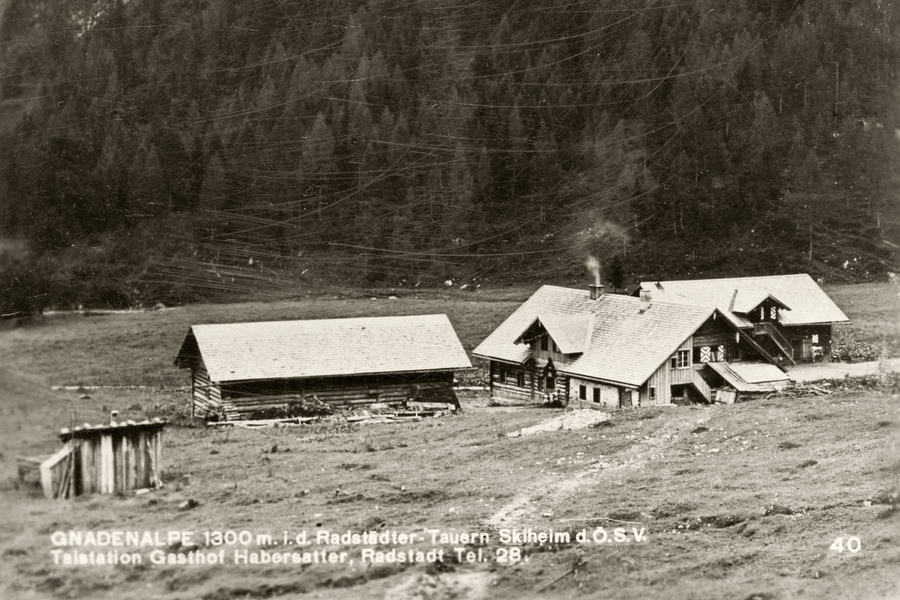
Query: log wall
[
  {"x": 505, "y": 379},
  {"x": 206, "y": 396},
  {"x": 241, "y": 400}
]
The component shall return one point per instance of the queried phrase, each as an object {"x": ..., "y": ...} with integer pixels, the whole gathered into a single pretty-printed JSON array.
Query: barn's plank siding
[
  {"x": 657, "y": 391},
  {"x": 242, "y": 399}
]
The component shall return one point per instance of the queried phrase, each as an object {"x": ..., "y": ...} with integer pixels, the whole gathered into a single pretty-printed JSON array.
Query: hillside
[
  {"x": 169, "y": 151},
  {"x": 738, "y": 501}
]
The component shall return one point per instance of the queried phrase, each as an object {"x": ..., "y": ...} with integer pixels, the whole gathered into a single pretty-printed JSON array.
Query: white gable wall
[{"x": 609, "y": 394}]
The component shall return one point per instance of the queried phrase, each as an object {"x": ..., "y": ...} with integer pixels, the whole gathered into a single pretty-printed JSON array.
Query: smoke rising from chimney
[{"x": 593, "y": 265}]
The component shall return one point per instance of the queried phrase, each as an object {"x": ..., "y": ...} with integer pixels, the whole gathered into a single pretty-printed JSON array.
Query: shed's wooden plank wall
[
  {"x": 665, "y": 376},
  {"x": 117, "y": 462}
]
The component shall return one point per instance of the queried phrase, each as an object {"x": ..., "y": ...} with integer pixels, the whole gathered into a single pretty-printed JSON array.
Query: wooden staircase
[
  {"x": 701, "y": 386},
  {"x": 772, "y": 331}
]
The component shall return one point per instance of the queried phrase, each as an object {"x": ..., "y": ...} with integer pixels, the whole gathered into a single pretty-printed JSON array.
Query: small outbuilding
[
  {"x": 105, "y": 459},
  {"x": 245, "y": 370}
]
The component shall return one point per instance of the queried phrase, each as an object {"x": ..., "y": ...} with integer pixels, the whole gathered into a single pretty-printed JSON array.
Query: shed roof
[
  {"x": 324, "y": 348},
  {"x": 808, "y": 303},
  {"x": 627, "y": 345},
  {"x": 749, "y": 376},
  {"x": 121, "y": 428}
]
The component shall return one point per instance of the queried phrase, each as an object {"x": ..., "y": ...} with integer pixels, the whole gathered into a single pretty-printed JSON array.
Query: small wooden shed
[
  {"x": 243, "y": 370},
  {"x": 106, "y": 459}
]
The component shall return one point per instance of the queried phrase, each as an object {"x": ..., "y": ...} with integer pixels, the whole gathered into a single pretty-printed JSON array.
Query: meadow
[{"x": 787, "y": 497}]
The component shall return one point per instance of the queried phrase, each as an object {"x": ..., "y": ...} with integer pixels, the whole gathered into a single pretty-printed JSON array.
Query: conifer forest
[{"x": 167, "y": 151}]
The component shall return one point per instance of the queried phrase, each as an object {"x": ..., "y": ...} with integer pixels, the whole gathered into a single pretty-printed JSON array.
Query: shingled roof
[
  {"x": 324, "y": 348},
  {"x": 807, "y": 302},
  {"x": 627, "y": 345}
]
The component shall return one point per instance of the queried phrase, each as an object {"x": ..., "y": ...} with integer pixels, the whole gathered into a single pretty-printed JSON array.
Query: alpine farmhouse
[
  {"x": 239, "y": 370},
  {"x": 789, "y": 315},
  {"x": 621, "y": 351}
]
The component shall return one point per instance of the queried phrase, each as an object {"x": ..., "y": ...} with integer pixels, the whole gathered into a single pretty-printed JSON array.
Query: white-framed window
[
  {"x": 773, "y": 313},
  {"x": 815, "y": 338},
  {"x": 681, "y": 359}
]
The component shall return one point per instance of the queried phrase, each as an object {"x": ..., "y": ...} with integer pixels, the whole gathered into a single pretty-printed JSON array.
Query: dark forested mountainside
[{"x": 148, "y": 144}]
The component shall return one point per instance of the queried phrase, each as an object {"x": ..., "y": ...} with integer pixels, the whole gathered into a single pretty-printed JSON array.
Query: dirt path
[{"x": 551, "y": 490}]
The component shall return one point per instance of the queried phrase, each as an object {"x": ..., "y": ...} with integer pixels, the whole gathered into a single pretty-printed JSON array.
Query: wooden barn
[
  {"x": 247, "y": 370},
  {"x": 105, "y": 459},
  {"x": 789, "y": 315},
  {"x": 615, "y": 351}
]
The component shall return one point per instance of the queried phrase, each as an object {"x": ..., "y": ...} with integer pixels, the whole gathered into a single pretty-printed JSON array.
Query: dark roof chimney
[
  {"x": 596, "y": 291},
  {"x": 645, "y": 300}
]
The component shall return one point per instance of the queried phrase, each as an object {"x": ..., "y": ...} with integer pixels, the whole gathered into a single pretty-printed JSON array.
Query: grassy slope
[{"x": 704, "y": 511}]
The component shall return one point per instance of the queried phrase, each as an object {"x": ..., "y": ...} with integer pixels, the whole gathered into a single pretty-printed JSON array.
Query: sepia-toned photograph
[{"x": 449, "y": 300}]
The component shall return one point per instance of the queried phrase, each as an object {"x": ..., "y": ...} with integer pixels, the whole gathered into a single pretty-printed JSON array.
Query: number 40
[{"x": 853, "y": 544}]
